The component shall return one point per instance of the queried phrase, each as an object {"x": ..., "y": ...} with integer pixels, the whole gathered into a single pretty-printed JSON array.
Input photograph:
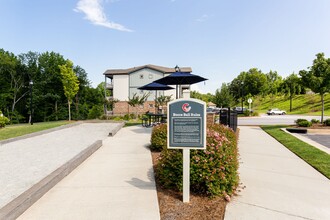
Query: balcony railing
[
  {"x": 109, "y": 98},
  {"x": 109, "y": 86}
]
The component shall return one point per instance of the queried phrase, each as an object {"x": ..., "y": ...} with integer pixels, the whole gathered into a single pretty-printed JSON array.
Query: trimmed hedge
[
  {"x": 303, "y": 122},
  {"x": 159, "y": 138},
  {"x": 213, "y": 172},
  {"x": 327, "y": 122}
]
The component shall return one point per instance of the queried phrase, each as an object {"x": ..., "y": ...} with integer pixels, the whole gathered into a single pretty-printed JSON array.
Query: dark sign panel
[{"x": 186, "y": 124}]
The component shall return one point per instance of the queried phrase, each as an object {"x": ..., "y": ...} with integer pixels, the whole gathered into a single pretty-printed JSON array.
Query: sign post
[
  {"x": 249, "y": 101},
  {"x": 186, "y": 129}
]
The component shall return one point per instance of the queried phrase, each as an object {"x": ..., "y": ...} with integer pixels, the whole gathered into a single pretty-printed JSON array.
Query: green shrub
[
  {"x": 299, "y": 120},
  {"x": 3, "y": 120},
  {"x": 254, "y": 114},
  {"x": 117, "y": 118},
  {"x": 327, "y": 122},
  {"x": 246, "y": 113},
  {"x": 213, "y": 171},
  {"x": 95, "y": 112},
  {"x": 315, "y": 121},
  {"x": 159, "y": 137},
  {"x": 304, "y": 124},
  {"x": 126, "y": 117}
]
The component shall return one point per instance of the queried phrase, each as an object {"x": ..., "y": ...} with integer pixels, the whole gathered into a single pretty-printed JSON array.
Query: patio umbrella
[
  {"x": 180, "y": 78},
  {"x": 155, "y": 86}
]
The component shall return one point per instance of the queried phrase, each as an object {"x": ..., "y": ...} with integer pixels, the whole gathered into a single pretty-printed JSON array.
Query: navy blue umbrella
[
  {"x": 155, "y": 86},
  {"x": 180, "y": 78}
]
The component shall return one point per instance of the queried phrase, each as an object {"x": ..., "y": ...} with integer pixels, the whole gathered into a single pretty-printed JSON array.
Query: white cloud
[
  {"x": 94, "y": 12},
  {"x": 202, "y": 18}
]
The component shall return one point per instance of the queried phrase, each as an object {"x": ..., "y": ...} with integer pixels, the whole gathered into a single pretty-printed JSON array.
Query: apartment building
[{"x": 124, "y": 83}]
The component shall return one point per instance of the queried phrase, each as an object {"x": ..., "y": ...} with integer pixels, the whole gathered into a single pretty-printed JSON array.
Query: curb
[
  {"x": 17, "y": 206},
  {"x": 115, "y": 130}
]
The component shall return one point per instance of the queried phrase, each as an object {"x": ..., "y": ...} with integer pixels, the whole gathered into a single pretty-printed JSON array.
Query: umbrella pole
[
  {"x": 177, "y": 90},
  {"x": 156, "y": 109}
]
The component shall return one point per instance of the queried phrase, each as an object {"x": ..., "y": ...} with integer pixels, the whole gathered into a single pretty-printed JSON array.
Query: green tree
[
  {"x": 223, "y": 97},
  {"x": 70, "y": 82},
  {"x": 14, "y": 83},
  {"x": 204, "y": 97},
  {"x": 317, "y": 77},
  {"x": 255, "y": 82},
  {"x": 250, "y": 83},
  {"x": 292, "y": 86},
  {"x": 137, "y": 100},
  {"x": 274, "y": 82},
  {"x": 48, "y": 93},
  {"x": 162, "y": 101}
]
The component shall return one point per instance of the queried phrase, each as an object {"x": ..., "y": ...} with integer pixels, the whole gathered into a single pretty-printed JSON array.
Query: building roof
[{"x": 162, "y": 69}]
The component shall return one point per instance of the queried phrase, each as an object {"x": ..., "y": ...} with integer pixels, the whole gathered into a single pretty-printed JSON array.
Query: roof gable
[{"x": 149, "y": 66}]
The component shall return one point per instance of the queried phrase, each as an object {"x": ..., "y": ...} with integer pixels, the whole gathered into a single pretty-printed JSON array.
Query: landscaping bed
[
  {"x": 199, "y": 208},
  {"x": 213, "y": 175}
]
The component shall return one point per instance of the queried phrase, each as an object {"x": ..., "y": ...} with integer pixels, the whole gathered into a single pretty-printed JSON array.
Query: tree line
[
  {"x": 254, "y": 82},
  {"x": 44, "y": 86}
]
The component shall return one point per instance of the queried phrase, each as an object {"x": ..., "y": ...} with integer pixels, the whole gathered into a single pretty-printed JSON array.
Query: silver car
[{"x": 276, "y": 111}]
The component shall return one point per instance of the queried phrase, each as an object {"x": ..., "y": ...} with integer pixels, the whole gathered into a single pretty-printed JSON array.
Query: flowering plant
[{"x": 213, "y": 171}]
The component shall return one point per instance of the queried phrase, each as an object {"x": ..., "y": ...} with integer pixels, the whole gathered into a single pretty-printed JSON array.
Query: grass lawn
[
  {"x": 11, "y": 131},
  {"x": 309, "y": 104},
  {"x": 132, "y": 123},
  {"x": 313, "y": 156}
]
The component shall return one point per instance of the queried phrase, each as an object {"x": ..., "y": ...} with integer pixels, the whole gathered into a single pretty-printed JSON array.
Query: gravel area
[{"x": 25, "y": 162}]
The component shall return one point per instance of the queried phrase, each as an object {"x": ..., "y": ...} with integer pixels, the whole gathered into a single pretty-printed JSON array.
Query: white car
[{"x": 276, "y": 111}]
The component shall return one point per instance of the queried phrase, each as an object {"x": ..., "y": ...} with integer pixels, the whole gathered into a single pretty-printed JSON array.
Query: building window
[
  {"x": 141, "y": 76},
  {"x": 151, "y": 105}
]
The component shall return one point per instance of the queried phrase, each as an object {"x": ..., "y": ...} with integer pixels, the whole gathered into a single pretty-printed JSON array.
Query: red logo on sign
[{"x": 186, "y": 107}]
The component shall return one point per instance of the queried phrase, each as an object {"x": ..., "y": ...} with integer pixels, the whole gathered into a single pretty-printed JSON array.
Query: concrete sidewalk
[
  {"x": 276, "y": 184},
  {"x": 116, "y": 182}
]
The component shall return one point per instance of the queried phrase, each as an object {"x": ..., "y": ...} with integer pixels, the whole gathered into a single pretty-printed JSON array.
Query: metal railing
[{"x": 229, "y": 118}]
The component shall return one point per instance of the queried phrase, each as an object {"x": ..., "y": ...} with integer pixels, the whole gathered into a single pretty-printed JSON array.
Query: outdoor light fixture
[
  {"x": 242, "y": 84},
  {"x": 31, "y": 110}
]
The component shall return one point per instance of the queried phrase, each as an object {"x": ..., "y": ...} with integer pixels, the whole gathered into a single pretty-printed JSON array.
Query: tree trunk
[
  {"x": 77, "y": 107},
  {"x": 322, "y": 100},
  {"x": 56, "y": 117},
  {"x": 69, "y": 110}
]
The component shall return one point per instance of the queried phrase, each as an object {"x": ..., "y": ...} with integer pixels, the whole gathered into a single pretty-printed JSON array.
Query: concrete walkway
[
  {"x": 116, "y": 182},
  {"x": 276, "y": 184}
]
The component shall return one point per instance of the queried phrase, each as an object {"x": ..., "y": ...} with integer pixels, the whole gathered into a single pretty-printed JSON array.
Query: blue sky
[{"x": 217, "y": 38}]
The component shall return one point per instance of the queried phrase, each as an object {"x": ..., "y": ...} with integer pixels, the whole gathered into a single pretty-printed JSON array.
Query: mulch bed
[{"x": 172, "y": 208}]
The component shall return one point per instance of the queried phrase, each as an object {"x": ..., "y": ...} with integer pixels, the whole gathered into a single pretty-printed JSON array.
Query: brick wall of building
[
  {"x": 210, "y": 118},
  {"x": 122, "y": 108}
]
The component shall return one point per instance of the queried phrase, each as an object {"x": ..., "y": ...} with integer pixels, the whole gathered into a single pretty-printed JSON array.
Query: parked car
[
  {"x": 240, "y": 110},
  {"x": 216, "y": 110},
  {"x": 276, "y": 111},
  {"x": 209, "y": 109}
]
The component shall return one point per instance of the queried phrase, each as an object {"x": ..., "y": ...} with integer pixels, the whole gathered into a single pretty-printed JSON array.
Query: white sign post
[
  {"x": 249, "y": 101},
  {"x": 186, "y": 175},
  {"x": 186, "y": 129}
]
